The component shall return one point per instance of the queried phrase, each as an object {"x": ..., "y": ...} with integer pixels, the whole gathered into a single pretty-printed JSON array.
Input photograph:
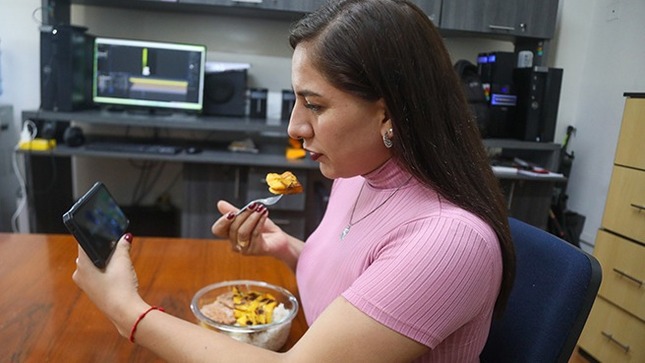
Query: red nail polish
[
  {"x": 230, "y": 216},
  {"x": 128, "y": 237},
  {"x": 252, "y": 206}
]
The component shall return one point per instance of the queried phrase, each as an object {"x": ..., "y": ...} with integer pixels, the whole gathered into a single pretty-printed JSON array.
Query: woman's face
[{"x": 343, "y": 132}]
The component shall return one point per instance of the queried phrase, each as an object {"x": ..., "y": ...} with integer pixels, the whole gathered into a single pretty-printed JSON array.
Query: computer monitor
[{"x": 147, "y": 74}]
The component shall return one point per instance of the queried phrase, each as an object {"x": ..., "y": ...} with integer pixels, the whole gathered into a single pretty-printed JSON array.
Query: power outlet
[{"x": 613, "y": 10}]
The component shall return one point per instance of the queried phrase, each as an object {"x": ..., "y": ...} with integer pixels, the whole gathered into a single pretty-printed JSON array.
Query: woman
[{"x": 413, "y": 255}]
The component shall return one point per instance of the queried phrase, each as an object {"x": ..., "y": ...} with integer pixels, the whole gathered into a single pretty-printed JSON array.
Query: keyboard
[{"x": 133, "y": 148}]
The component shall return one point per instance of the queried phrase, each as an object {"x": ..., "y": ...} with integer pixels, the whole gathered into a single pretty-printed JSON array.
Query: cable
[
  {"x": 28, "y": 133},
  {"x": 23, "y": 193}
]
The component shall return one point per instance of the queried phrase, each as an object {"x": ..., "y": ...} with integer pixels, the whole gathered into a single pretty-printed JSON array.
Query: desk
[
  {"x": 44, "y": 316},
  {"x": 219, "y": 174}
]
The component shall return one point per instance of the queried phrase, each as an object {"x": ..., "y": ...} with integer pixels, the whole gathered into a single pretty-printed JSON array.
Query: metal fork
[{"x": 266, "y": 201}]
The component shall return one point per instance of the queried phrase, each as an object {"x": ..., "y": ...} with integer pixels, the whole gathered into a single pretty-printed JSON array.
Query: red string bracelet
[{"x": 143, "y": 315}]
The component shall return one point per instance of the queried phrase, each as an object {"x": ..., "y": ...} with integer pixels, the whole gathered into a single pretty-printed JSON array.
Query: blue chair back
[{"x": 555, "y": 286}]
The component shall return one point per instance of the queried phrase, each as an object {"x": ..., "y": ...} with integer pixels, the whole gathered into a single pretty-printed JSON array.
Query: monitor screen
[{"x": 148, "y": 74}]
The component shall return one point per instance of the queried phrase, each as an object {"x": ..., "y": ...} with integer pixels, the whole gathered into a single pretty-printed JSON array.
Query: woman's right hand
[{"x": 251, "y": 232}]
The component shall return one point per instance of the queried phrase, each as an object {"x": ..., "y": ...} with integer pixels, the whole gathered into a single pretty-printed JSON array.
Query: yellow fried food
[
  {"x": 252, "y": 307},
  {"x": 285, "y": 183}
]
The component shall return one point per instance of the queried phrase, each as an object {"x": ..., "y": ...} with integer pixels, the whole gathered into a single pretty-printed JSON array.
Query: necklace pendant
[{"x": 345, "y": 232}]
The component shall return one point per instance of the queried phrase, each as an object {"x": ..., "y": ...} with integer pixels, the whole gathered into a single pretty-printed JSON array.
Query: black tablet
[{"x": 97, "y": 222}]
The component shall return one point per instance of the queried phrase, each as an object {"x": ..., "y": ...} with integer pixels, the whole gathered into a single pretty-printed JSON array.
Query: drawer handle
[
  {"x": 248, "y": 1},
  {"x": 637, "y": 206},
  {"x": 627, "y": 276},
  {"x": 501, "y": 27},
  {"x": 612, "y": 339}
]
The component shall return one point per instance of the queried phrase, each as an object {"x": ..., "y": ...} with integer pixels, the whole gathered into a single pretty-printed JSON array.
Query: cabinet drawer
[
  {"x": 623, "y": 272},
  {"x": 625, "y": 208},
  {"x": 611, "y": 335},
  {"x": 258, "y": 188},
  {"x": 632, "y": 135}
]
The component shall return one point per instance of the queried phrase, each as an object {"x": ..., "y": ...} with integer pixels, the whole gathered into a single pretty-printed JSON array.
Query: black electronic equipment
[
  {"x": 288, "y": 101},
  {"x": 538, "y": 99},
  {"x": 97, "y": 222},
  {"x": 502, "y": 115},
  {"x": 65, "y": 68},
  {"x": 258, "y": 98},
  {"x": 133, "y": 148},
  {"x": 148, "y": 74},
  {"x": 225, "y": 93},
  {"x": 74, "y": 136},
  {"x": 496, "y": 67}
]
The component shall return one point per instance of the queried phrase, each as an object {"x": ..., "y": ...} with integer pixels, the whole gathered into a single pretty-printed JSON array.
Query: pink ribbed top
[{"x": 418, "y": 264}]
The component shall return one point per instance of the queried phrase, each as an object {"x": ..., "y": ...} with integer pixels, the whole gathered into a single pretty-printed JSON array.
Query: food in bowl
[
  {"x": 285, "y": 183},
  {"x": 249, "y": 311}
]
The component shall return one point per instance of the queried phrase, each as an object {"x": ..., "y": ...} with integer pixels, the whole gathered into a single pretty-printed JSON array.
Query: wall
[
  {"x": 19, "y": 63},
  {"x": 20, "y": 48}
]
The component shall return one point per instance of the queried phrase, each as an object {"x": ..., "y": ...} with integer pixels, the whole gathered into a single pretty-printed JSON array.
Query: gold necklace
[{"x": 351, "y": 224}]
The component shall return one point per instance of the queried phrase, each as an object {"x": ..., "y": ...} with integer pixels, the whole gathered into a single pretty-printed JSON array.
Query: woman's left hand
[{"x": 114, "y": 290}]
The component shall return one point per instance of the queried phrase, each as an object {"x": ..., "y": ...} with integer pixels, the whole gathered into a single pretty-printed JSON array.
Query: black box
[
  {"x": 66, "y": 65},
  {"x": 225, "y": 93},
  {"x": 538, "y": 99},
  {"x": 288, "y": 101},
  {"x": 258, "y": 98}
]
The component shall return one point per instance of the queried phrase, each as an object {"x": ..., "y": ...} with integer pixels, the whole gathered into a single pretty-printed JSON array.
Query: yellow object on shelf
[
  {"x": 37, "y": 145},
  {"x": 293, "y": 154},
  {"x": 294, "y": 150}
]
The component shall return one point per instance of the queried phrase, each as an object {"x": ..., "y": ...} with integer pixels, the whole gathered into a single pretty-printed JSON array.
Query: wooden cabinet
[
  {"x": 615, "y": 330},
  {"x": 521, "y": 18},
  {"x": 612, "y": 336}
]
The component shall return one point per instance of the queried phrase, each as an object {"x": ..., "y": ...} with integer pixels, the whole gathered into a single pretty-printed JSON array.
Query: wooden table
[{"x": 44, "y": 316}]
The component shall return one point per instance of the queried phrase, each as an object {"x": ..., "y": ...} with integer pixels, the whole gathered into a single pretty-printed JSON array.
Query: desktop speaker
[
  {"x": 538, "y": 99},
  {"x": 225, "y": 93},
  {"x": 66, "y": 56}
]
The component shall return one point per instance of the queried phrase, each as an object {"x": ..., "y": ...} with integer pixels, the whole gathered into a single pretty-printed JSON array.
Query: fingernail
[
  {"x": 230, "y": 215},
  {"x": 252, "y": 206},
  {"x": 128, "y": 237}
]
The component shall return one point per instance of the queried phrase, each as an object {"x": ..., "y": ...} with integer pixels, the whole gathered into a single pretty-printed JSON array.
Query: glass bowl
[{"x": 269, "y": 336}]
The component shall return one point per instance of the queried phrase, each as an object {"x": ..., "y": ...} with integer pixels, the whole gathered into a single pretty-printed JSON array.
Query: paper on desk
[
  {"x": 510, "y": 171},
  {"x": 504, "y": 170},
  {"x": 543, "y": 174}
]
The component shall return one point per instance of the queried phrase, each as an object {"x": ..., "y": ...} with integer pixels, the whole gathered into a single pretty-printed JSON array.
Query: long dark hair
[{"x": 390, "y": 49}]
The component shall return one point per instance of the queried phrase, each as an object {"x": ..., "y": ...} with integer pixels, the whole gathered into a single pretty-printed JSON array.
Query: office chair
[{"x": 555, "y": 286}]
